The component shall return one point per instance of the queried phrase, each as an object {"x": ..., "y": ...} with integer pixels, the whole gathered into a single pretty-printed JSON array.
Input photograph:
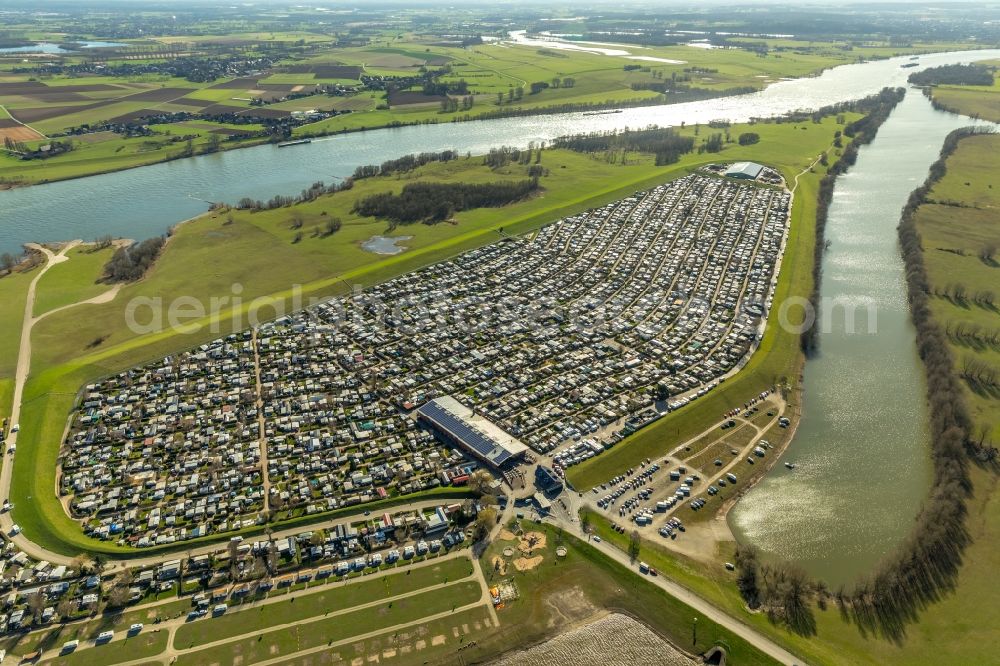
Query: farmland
[{"x": 143, "y": 104}]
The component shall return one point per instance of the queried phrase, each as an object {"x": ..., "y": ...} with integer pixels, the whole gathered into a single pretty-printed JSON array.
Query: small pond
[{"x": 385, "y": 244}]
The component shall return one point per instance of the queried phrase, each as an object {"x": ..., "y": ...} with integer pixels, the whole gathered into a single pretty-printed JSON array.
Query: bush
[{"x": 131, "y": 263}]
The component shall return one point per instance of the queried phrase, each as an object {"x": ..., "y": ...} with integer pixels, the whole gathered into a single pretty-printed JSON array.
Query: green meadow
[{"x": 73, "y": 280}]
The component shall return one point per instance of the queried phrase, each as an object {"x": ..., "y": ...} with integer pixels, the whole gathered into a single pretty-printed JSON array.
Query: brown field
[
  {"x": 393, "y": 61},
  {"x": 261, "y": 113},
  {"x": 413, "y": 97},
  {"x": 22, "y": 88},
  {"x": 39, "y": 88},
  {"x": 336, "y": 72},
  {"x": 613, "y": 640},
  {"x": 157, "y": 95},
  {"x": 325, "y": 71},
  {"x": 19, "y": 133},
  {"x": 34, "y": 114},
  {"x": 276, "y": 87},
  {"x": 358, "y": 103},
  {"x": 50, "y": 96},
  {"x": 135, "y": 115},
  {"x": 194, "y": 102},
  {"x": 235, "y": 84}
]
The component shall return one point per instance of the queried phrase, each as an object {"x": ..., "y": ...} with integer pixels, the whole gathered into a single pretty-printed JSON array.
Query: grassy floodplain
[
  {"x": 13, "y": 296},
  {"x": 957, "y": 224},
  {"x": 260, "y": 255},
  {"x": 975, "y": 101},
  {"x": 72, "y": 281}
]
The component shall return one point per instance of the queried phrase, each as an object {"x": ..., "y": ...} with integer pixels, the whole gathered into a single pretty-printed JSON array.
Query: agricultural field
[{"x": 136, "y": 109}]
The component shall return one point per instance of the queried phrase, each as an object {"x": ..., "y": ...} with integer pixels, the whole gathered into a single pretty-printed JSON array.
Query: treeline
[
  {"x": 957, "y": 75},
  {"x": 876, "y": 109},
  {"x": 666, "y": 144},
  {"x": 675, "y": 97},
  {"x": 128, "y": 264},
  {"x": 310, "y": 193},
  {"x": 435, "y": 202},
  {"x": 403, "y": 164},
  {"x": 971, "y": 334},
  {"x": 958, "y": 294},
  {"x": 501, "y": 156},
  {"x": 981, "y": 377},
  {"x": 783, "y": 592},
  {"x": 676, "y": 85}
]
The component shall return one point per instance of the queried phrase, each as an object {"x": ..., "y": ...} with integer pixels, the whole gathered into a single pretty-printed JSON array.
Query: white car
[
  {"x": 597, "y": 539},
  {"x": 15, "y": 530},
  {"x": 15, "y": 427},
  {"x": 135, "y": 628}
]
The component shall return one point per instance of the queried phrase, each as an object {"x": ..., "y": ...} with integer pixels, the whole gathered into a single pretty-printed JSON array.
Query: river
[
  {"x": 143, "y": 202},
  {"x": 862, "y": 467}
]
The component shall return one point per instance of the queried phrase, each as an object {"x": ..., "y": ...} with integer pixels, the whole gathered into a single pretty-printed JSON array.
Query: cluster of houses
[
  {"x": 35, "y": 594},
  {"x": 332, "y": 437},
  {"x": 38, "y": 592},
  {"x": 253, "y": 567},
  {"x": 550, "y": 337},
  {"x": 168, "y": 451}
]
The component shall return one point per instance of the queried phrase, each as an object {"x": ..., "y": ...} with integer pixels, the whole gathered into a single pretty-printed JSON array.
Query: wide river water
[
  {"x": 862, "y": 467},
  {"x": 144, "y": 202},
  {"x": 861, "y": 450}
]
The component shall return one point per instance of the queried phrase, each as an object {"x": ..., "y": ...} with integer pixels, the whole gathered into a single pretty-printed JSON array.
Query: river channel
[{"x": 861, "y": 452}]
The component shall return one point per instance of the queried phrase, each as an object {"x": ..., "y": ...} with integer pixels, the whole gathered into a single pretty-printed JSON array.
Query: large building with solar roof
[
  {"x": 745, "y": 170},
  {"x": 473, "y": 433}
]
